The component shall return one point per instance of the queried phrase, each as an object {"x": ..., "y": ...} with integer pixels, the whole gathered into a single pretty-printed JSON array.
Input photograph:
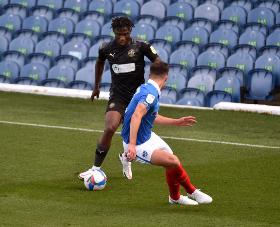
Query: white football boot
[
  {"x": 126, "y": 166},
  {"x": 183, "y": 200},
  {"x": 88, "y": 172},
  {"x": 200, "y": 197}
]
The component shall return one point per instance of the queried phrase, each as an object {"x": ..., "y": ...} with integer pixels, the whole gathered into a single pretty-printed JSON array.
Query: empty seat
[
  {"x": 43, "y": 11},
  {"x": 88, "y": 27},
  {"x": 49, "y": 47},
  {"x": 208, "y": 11},
  {"x": 196, "y": 34},
  {"x": 166, "y": 100},
  {"x": 170, "y": 92},
  {"x": 129, "y": 7},
  {"x": 6, "y": 32},
  {"x": 62, "y": 25},
  {"x": 40, "y": 58},
  {"x": 22, "y": 44},
  {"x": 75, "y": 48},
  {"x": 255, "y": 26},
  {"x": 58, "y": 36},
  {"x": 162, "y": 53},
  {"x": 154, "y": 8},
  {"x": 273, "y": 39},
  {"x": 28, "y": 33},
  {"x": 170, "y": 33},
  {"x": 228, "y": 24},
  {"x": 245, "y": 48},
  {"x": 27, "y": 3},
  {"x": 232, "y": 71},
  {"x": 176, "y": 80},
  {"x": 235, "y": 13},
  {"x": 184, "y": 57},
  {"x": 201, "y": 22},
  {"x": 222, "y": 48},
  {"x": 80, "y": 37},
  {"x": 53, "y": 4},
  {"x": 94, "y": 15},
  {"x": 188, "y": 102},
  {"x": 225, "y": 36},
  {"x": 253, "y": 38},
  {"x": 93, "y": 51},
  {"x": 269, "y": 49},
  {"x": 188, "y": 45},
  {"x": 107, "y": 30},
  {"x": 271, "y": 4},
  {"x": 193, "y": 3},
  {"x": 105, "y": 82},
  {"x": 84, "y": 80},
  {"x": 68, "y": 13},
  {"x": 67, "y": 60},
  {"x": 17, "y": 9},
  {"x": 80, "y": 6},
  {"x": 246, "y": 4},
  {"x": 216, "y": 96},
  {"x": 212, "y": 58},
  {"x": 4, "y": 43},
  {"x": 147, "y": 19},
  {"x": 15, "y": 56},
  {"x": 192, "y": 97},
  {"x": 173, "y": 67},
  {"x": 219, "y": 3},
  {"x": 11, "y": 21},
  {"x": 102, "y": 38},
  {"x": 9, "y": 69},
  {"x": 181, "y": 9},
  {"x": 89, "y": 62},
  {"x": 36, "y": 23},
  {"x": 167, "y": 45},
  {"x": 262, "y": 15},
  {"x": 173, "y": 20},
  {"x": 103, "y": 6},
  {"x": 143, "y": 31}
]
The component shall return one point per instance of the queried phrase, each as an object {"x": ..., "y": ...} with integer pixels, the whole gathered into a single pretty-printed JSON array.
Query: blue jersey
[{"x": 148, "y": 94}]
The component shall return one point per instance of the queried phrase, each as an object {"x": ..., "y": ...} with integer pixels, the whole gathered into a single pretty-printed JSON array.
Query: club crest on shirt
[{"x": 131, "y": 53}]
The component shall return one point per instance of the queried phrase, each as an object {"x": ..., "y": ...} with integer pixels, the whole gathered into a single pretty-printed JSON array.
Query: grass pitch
[{"x": 39, "y": 168}]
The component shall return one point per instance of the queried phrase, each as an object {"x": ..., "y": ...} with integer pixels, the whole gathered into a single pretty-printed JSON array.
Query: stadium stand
[
  {"x": 192, "y": 96},
  {"x": 217, "y": 96}
]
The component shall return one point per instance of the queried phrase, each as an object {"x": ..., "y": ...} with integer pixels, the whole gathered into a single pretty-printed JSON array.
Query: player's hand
[
  {"x": 130, "y": 154},
  {"x": 96, "y": 93},
  {"x": 186, "y": 121}
]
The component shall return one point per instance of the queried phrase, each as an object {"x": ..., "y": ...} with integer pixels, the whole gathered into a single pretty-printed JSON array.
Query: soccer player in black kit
[{"x": 126, "y": 57}]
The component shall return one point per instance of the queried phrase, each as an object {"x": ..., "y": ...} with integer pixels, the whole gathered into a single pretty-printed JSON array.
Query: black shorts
[{"x": 118, "y": 103}]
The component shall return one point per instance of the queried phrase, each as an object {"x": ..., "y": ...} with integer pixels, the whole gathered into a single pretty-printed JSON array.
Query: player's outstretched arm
[
  {"x": 183, "y": 121},
  {"x": 99, "y": 68}
]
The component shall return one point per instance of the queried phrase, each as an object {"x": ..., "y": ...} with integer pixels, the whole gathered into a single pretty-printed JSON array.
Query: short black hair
[
  {"x": 159, "y": 69},
  {"x": 121, "y": 22}
]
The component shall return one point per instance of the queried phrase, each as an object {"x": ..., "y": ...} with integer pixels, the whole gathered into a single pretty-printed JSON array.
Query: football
[{"x": 95, "y": 181}]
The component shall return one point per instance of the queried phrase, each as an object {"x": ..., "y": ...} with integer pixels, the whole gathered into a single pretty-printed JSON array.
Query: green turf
[{"x": 39, "y": 167}]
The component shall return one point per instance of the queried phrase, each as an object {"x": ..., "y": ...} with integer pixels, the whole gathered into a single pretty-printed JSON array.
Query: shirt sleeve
[
  {"x": 147, "y": 99},
  {"x": 149, "y": 51},
  {"x": 101, "y": 54}
]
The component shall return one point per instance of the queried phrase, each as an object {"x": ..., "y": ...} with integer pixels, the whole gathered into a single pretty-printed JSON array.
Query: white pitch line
[{"x": 164, "y": 137}]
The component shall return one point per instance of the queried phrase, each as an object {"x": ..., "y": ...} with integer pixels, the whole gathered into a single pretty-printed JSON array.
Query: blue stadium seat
[
  {"x": 93, "y": 51},
  {"x": 170, "y": 92},
  {"x": 80, "y": 37},
  {"x": 40, "y": 58},
  {"x": 80, "y": 6},
  {"x": 228, "y": 24},
  {"x": 176, "y": 80},
  {"x": 245, "y": 48},
  {"x": 162, "y": 53},
  {"x": 219, "y": 3},
  {"x": 181, "y": 9},
  {"x": 3, "y": 3},
  {"x": 36, "y": 23},
  {"x": 255, "y": 26},
  {"x": 204, "y": 70},
  {"x": 173, "y": 20},
  {"x": 7, "y": 33},
  {"x": 231, "y": 85},
  {"x": 129, "y": 7},
  {"x": 94, "y": 15},
  {"x": 243, "y": 61},
  {"x": 184, "y": 57},
  {"x": 167, "y": 45},
  {"x": 67, "y": 60},
  {"x": 88, "y": 27},
  {"x": 102, "y": 38},
  {"x": 68, "y": 13},
  {"x": 216, "y": 96},
  {"x": 253, "y": 38},
  {"x": 224, "y": 36},
  {"x": 212, "y": 58},
  {"x": 4, "y": 79},
  {"x": 147, "y": 19},
  {"x": 49, "y": 47},
  {"x": 233, "y": 71},
  {"x": 4, "y": 44},
  {"x": 28, "y": 33},
  {"x": 278, "y": 18},
  {"x": 143, "y": 31},
  {"x": 271, "y": 63},
  {"x": 114, "y": 15},
  {"x": 235, "y": 13},
  {"x": 208, "y": 11},
  {"x": 166, "y": 100},
  {"x": 193, "y": 3},
  {"x": 9, "y": 69},
  {"x": 58, "y": 36},
  {"x": 247, "y": 5},
  {"x": 84, "y": 79},
  {"x": 107, "y": 30},
  {"x": 105, "y": 82},
  {"x": 17, "y": 9},
  {"x": 192, "y": 97},
  {"x": 165, "y": 2},
  {"x": 53, "y": 4},
  {"x": 178, "y": 68},
  {"x": 196, "y": 34},
  {"x": 11, "y": 21},
  {"x": 22, "y": 44},
  {"x": 222, "y": 48},
  {"x": 27, "y": 3},
  {"x": 75, "y": 48},
  {"x": 43, "y": 11},
  {"x": 270, "y": 49},
  {"x": 273, "y": 39},
  {"x": 154, "y": 8},
  {"x": 271, "y": 4},
  {"x": 103, "y": 6},
  {"x": 260, "y": 82},
  {"x": 201, "y": 22},
  {"x": 188, "y": 45},
  {"x": 15, "y": 56},
  {"x": 89, "y": 62},
  {"x": 62, "y": 25},
  {"x": 262, "y": 15}
]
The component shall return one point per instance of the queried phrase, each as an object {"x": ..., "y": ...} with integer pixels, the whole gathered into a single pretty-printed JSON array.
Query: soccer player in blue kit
[{"x": 144, "y": 146}]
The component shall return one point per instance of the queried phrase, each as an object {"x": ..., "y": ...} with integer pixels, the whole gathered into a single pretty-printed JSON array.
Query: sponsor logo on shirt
[{"x": 150, "y": 98}]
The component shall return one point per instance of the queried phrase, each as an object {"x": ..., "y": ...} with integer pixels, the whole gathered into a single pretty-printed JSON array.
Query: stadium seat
[
  {"x": 3, "y": 3},
  {"x": 49, "y": 47},
  {"x": 222, "y": 48},
  {"x": 75, "y": 48},
  {"x": 176, "y": 80},
  {"x": 219, "y": 3},
  {"x": 88, "y": 27},
  {"x": 228, "y": 24},
  {"x": 9, "y": 69},
  {"x": 105, "y": 82},
  {"x": 5, "y": 79},
  {"x": 188, "y": 45},
  {"x": 167, "y": 45},
  {"x": 84, "y": 80},
  {"x": 154, "y": 8},
  {"x": 68, "y": 13},
  {"x": 204, "y": 70},
  {"x": 192, "y": 97},
  {"x": 271, "y": 4},
  {"x": 22, "y": 44},
  {"x": 181, "y": 9},
  {"x": 93, "y": 51},
  {"x": 164, "y": 100},
  {"x": 188, "y": 102},
  {"x": 201, "y": 22},
  {"x": 278, "y": 18},
  {"x": 40, "y": 58},
  {"x": 271, "y": 63},
  {"x": 243, "y": 61},
  {"x": 102, "y": 38},
  {"x": 273, "y": 39},
  {"x": 184, "y": 57},
  {"x": 224, "y": 36},
  {"x": 27, "y": 3},
  {"x": 147, "y": 19},
  {"x": 270, "y": 49},
  {"x": 208, "y": 11},
  {"x": 165, "y": 2},
  {"x": 143, "y": 31},
  {"x": 245, "y": 4},
  {"x": 53, "y": 4},
  {"x": 193, "y": 3},
  {"x": 253, "y": 38},
  {"x": 62, "y": 25},
  {"x": 178, "y": 68},
  {"x": 107, "y": 30},
  {"x": 216, "y": 96},
  {"x": 80, "y": 37},
  {"x": 80, "y": 6},
  {"x": 212, "y": 58},
  {"x": 36, "y": 23},
  {"x": 162, "y": 53},
  {"x": 6, "y": 32},
  {"x": 103, "y": 6},
  {"x": 11, "y": 21},
  {"x": 67, "y": 60},
  {"x": 235, "y": 13},
  {"x": 15, "y": 56},
  {"x": 231, "y": 85},
  {"x": 245, "y": 48},
  {"x": 4, "y": 44},
  {"x": 58, "y": 36},
  {"x": 129, "y": 7},
  {"x": 170, "y": 33},
  {"x": 17, "y": 9},
  {"x": 170, "y": 92},
  {"x": 260, "y": 82},
  {"x": 233, "y": 71},
  {"x": 255, "y": 26},
  {"x": 28, "y": 33},
  {"x": 173, "y": 20},
  {"x": 43, "y": 11},
  {"x": 94, "y": 15},
  {"x": 262, "y": 15},
  {"x": 89, "y": 62},
  {"x": 196, "y": 34}
]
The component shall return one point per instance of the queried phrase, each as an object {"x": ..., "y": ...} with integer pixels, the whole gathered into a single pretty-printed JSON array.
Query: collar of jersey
[{"x": 155, "y": 85}]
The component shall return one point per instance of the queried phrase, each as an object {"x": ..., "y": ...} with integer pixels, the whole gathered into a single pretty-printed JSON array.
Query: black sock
[{"x": 100, "y": 154}]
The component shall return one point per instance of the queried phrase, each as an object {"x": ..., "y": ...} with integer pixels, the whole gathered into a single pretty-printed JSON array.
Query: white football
[{"x": 95, "y": 181}]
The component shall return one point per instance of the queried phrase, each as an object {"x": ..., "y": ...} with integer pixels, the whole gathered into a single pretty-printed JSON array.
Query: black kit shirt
[{"x": 127, "y": 64}]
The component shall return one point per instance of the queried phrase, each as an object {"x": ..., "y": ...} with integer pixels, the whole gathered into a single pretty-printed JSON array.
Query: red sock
[
  {"x": 180, "y": 175},
  {"x": 173, "y": 185}
]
